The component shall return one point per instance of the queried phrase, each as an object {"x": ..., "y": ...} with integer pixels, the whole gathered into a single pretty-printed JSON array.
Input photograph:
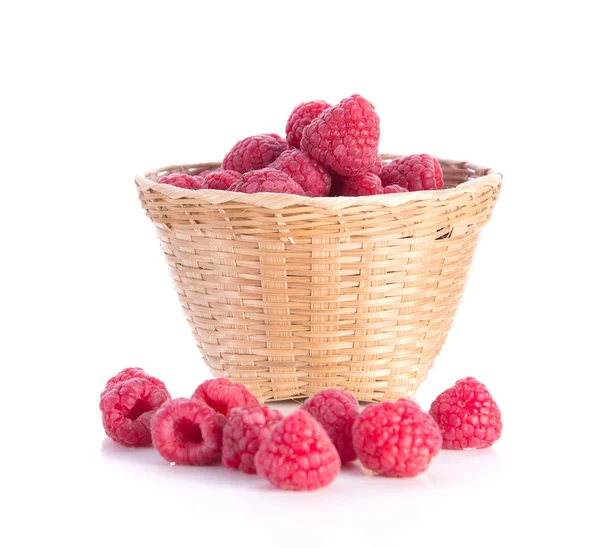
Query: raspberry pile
[
  {"x": 306, "y": 450},
  {"x": 328, "y": 150}
]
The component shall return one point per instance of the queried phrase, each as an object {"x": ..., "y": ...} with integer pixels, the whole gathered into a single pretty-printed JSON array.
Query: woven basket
[{"x": 290, "y": 295}]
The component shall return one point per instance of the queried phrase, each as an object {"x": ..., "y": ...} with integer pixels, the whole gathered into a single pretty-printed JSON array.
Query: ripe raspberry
[
  {"x": 181, "y": 180},
  {"x": 252, "y": 153},
  {"x": 246, "y": 428},
  {"x": 414, "y": 172},
  {"x": 267, "y": 180},
  {"x": 467, "y": 415},
  {"x": 366, "y": 184},
  {"x": 219, "y": 180},
  {"x": 301, "y": 116},
  {"x": 298, "y": 454},
  {"x": 224, "y": 396},
  {"x": 336, "y": 411},
  {"x": 377, "y": 165},
  {"x": 128, "y": 408},
  {"x": 310, "y": 174},
  {"x": 396, "y": 438},
  {"x": 132, "y": 373},
  {"x": 282, "y": 142},
  {"x": 393, "y": 189},
  {"x": 345, "y": 137},
  {"x": 187, "y": 432}
]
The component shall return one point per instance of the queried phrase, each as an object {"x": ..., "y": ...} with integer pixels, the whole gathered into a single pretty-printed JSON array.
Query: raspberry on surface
[
  {"x": 377, "y": 165},
  {"x": 414, "y": 172},
  {"x": 187, "y": 431},
  {"x": 128, "y": 408},
  {"x": 267, "y": 180},
  {"x": 396, "y": 439},
  {"x": 367, "y": 184},
  {"x": 345, "y": 137},
  {"x": 301, "y": 116},
  {"x": 132, "y": 373},
  {"x": 252, "y": 153},
  {"x": 336, "y": 411},
  {"x": 467, "y": 415},
  {"x": 181, "y": 180},
  {"x": 223, "y": 396},
  {"x": 309, "y": 173},
  {"x": 298, "y": 454},
  {"x": 219, "y": 180},
  {"x": 393, "y": 189},
  {"x": 243, "y": 433},
  {"x": 282, "y": 142}
]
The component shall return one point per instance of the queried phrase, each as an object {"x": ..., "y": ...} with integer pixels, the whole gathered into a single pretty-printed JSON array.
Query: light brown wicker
[{"x": 291, "y": 295}]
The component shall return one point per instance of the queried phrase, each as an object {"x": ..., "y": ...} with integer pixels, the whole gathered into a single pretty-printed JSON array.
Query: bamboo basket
[{"x": 290, "y": 295}]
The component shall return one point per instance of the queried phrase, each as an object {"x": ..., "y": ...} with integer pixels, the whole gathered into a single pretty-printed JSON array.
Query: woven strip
[{"x": 290, "y": 295}]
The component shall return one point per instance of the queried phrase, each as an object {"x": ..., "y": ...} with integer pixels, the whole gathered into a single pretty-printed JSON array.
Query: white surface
[{"x": 93, "y": 94}]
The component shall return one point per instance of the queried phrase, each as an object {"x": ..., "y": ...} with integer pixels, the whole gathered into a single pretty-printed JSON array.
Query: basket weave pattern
[{"x": 290, "y": 295}]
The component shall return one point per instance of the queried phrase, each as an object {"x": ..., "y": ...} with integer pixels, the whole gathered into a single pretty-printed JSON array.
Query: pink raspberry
[
  {"x": 396, "y": 438},
  {"x": 282, "y": 142},
  {"x": 301, "y": 116},
  {"x": 267, "y": 180},
  {"x": 224, "y": 396},
  {"x": 467, "y": 415},
  {"x": 187, "y": 432},
  {"x": 414, "y": 172},
  {"x": 298, "y": 455},
  {"x": 219, "y": 180},
  {"x": 366, "y": 184},
  {"x": 181, "y": 180},
  {"x": 377, "y": 165},
  {"x": 393, "y": 189},
  {"x": 336, "y": 411},
  {"x": 246, "y": 428},
  {"x": 345, "y": 137},
  {"x": 128, "y": 408},
  {"x": 310, "y": 174},
  {"x": 252, "y": 153},
  {"x": 132, "y": 373}
]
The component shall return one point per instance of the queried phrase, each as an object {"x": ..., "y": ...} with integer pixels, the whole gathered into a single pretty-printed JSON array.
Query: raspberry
[
  {"x": 246, "y": 428},
  {"x": 181, "y": 180},
  {"x": 282, "y": 142},
  {"x": 224, "y": 396},
  {"x": 393, "y": 189},
  {"x": 396, "y": 438},
  {"x": 252, "y": 153},
  {"x": 377, "y": 165},
  {"x": 336, "y": 411},
  {"x": 467, "y": 415},
  {"x": 310, "y": 174},
  {"x": 366, "y": 184},
  {"x": 131, "y": 373},
  {"x": 298, "y": 455},
  {"x": 267, "y": 180},
  {"x": 128, "y": 408},
  {"x": 345, "y": 137},
  {"x": 219, "y": 180},
  {"x": 187, "y": 432},
  {"x": 414, "y": 172},
  {"x": 301, "y": 116}
]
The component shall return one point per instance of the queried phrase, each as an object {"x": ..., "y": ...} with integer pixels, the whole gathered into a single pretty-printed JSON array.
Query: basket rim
[{"x": 271, "y": 200}]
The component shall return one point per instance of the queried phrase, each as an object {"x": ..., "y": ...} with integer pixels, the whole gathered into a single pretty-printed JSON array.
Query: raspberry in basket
[
  {"x": 309, "y": 173},
  {"x": 223, "y": 396},
  {"x": 298, "y": 455},
  {"x": 301, "y": 116},
  {"x": 128, "y": 408},
  {"x": 252, "y": 153},
  {"x": 467, "y": 415},
  {"x": 396, "y": 439},
  {"x": 246, "y": 428},
  {"x": 377, "y": 165},
  {"x": 219, "y": 180},
  {"x": 181, "y": 180},
  {"x": 394, "y": 189},
  {"x": 345, "y": 137},
  {"x": 414, "y": 172},
  {"x": 131, "y": 373},
  {"x": 366, "y": 184},
  {"x": 267, "y": 180},
  {"x": 336, "y": 410},
  {"x": 187, "y": 432}
]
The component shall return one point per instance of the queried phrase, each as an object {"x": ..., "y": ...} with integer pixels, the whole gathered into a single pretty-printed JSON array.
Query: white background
[{"x": 93, "y": 93}]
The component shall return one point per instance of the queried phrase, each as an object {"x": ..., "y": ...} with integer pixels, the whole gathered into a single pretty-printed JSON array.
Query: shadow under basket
[{"x": 290, "y": 295}]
